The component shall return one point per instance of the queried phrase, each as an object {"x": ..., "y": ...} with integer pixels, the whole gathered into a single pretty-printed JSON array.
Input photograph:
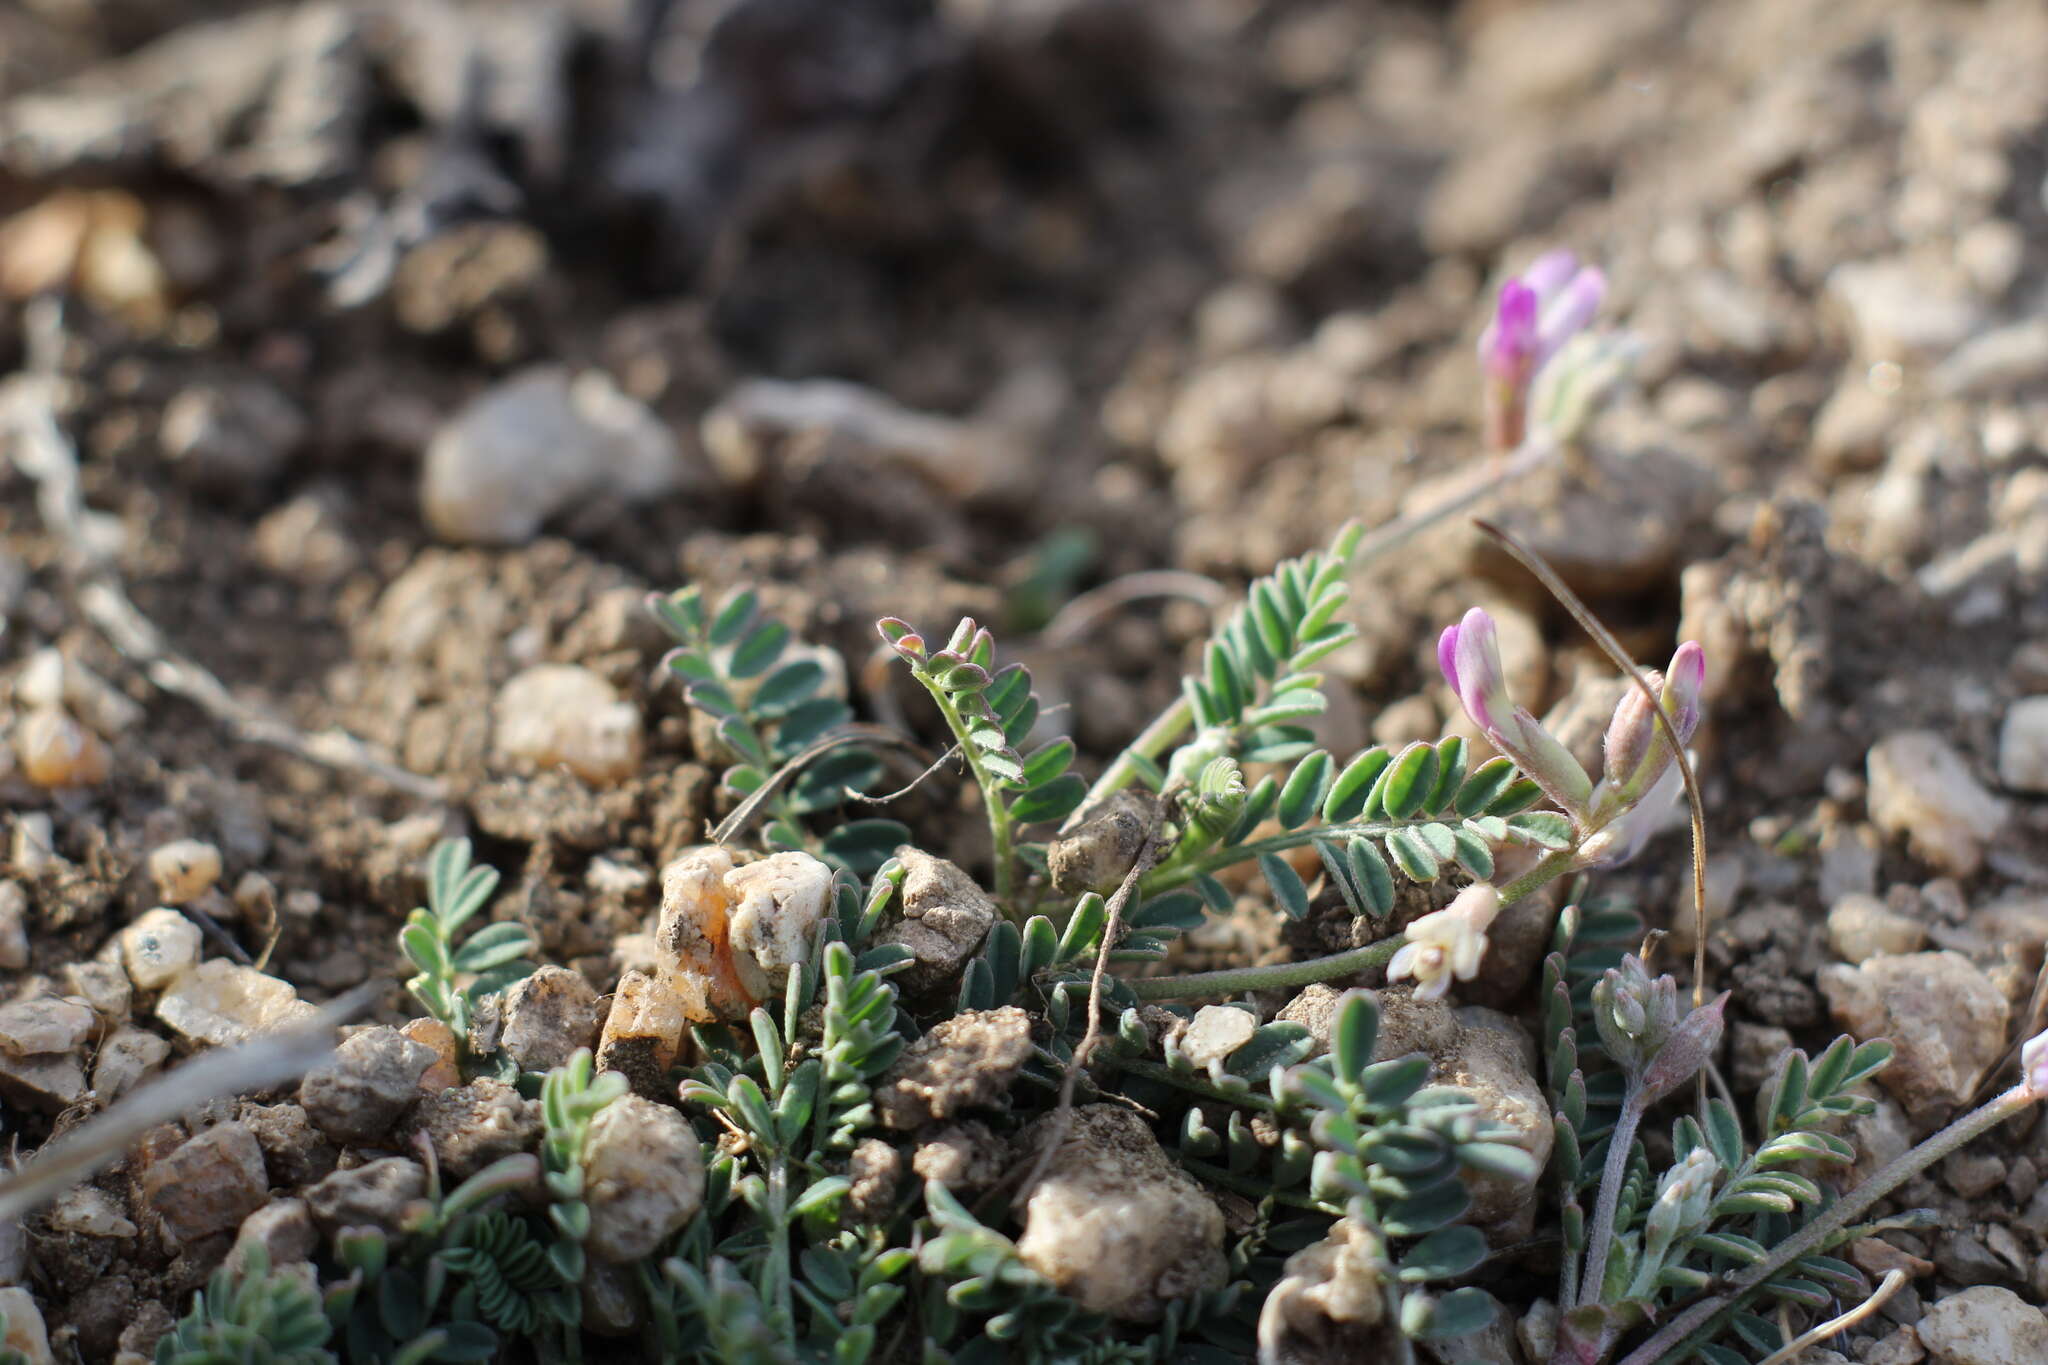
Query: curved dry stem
[{"x": 1611, "y": 647}]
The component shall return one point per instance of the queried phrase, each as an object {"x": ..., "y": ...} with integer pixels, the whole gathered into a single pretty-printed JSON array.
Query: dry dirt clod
[
  {"x": 1114, "y": 1222},
  {"x": 643, "y": 1169},
  {"x": 296, "y": 1152},
  {"x": 374, "y": 1194},
  {"x": 184, "y": 870},
  {"x": 373, "y": 1079},
  {"x": 159, "y": 947},
  {"x": 946, "y": 915},
  {"x": 966, "y": 1158},
  {"x": 470, "y": 1126},
  {"x": 566, "y": 715},
  {"x": 1101, "y": 848},
  {"x": 967, "y": 1062},
  {"x": 208, "y": 1184},
  {"x": 1946, "y": 1018},
  {"x": 875, "y": 1170},
  {"x": 547, "y": 1017}
]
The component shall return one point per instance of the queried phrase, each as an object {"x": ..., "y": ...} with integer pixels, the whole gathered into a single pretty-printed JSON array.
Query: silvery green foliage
[
  {"x": 991, "y": 712},
  {"x": 570, "y": 1098},
  {"x": 1616, "y": 1040},
  {"x": 769, "y": 706},
  {"x": 492, "y": 958},
  {"x": 248, "y": 1314}
]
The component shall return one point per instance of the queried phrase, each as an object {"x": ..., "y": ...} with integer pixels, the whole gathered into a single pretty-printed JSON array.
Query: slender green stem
[
  {"x": 1165, "y": 728},
  {"x": 1247, "y": 1186},
  {"x": 1202, "y": 985},
  {"x": 1593, "y": 1280},
  {"x": 1816, "y": 1235},
  {"x": 1002, "y": 836}
]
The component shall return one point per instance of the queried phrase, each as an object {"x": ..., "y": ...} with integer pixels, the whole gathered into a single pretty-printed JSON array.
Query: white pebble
[
  {"x": 159, "y": 947},
  {"x": 184, "y": 870}
]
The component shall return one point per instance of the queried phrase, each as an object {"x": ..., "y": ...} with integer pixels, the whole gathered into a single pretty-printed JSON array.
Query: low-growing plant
[
  {"x": 821, "y": 1237},
  {"x": 453, "y": 978}
]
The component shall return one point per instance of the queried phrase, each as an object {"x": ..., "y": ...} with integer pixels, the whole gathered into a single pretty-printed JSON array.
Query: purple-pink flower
[
  {"x": 1538, "y": 311},
  {"x": 1641, "y": 779}
]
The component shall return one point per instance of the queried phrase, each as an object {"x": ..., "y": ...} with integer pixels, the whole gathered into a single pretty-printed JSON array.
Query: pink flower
[
  {"x": 1538, "y": 311},
  {"x": 1469, "y": 654}
]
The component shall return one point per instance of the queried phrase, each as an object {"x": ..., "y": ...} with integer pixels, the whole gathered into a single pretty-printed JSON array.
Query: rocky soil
[{"x": 393, "y": 391}]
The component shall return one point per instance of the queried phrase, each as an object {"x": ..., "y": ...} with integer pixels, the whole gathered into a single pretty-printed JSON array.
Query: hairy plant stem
[
  {"x": 1593, "y": 1280},
  {"x": 1202, "y": 985},
  {"x": 1816, "y": 1235},
  {"x": 1151, "y": 742},
  {"x": 1002, "y": 836}
]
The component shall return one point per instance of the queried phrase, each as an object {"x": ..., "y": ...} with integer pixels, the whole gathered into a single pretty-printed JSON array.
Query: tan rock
[
  {"x": 221, "y": 1002},
  {"x": 1945, "y": 1017},
  {"x": 643, "y": 1032}
]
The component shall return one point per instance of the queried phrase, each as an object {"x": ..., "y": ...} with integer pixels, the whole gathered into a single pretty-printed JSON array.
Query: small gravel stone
[
  {"x": 296, "y": 1152},
  {"x": 208, "y": 1184},
  {"x": 643, "y": 1032},
  {"x": 184, "y": 870},
  {"x": 221, "y": 1002},
  {"x": 159, "y": 947},
  {"x": 373, "y": 1079},
  {"x": 1970, "y": 1173},
  {"x": 1945, "y": 1017},
  {"x": 127, "y": 1058},
  {"x": 1114, "y": 1222},
  {"x": 535, "y": 444},
  {"x": 371, "y": 1195},
  {"x": 1902, "y": 1347},
  {"x": 1862, "y": 927},
  {"x": 2023, "y": 746},
  {"x": 643, "y": 1169},
  {"x": 45, "y": 1025},
  {"x": 87, "y": 1211},
  {"x": 548, "y": 1016},
  {"x": 231, "y": 433},
  {"x": 283, "y": 1228},
  {"x": 1962, "y": 1258},
  {"x": 1875, "y": 1256},
  {"x": 1984, "y": 1326},
  {"x": 473, "y": 1125},
  {"x": 103, "y": 986},
  {"x": 25, "y": 1330},
  {"x": 1215, "y": 1032},
  {"x": 946, "y": 915},
  {"x": 13, "y": 926},
  {"x": 445, "y": 1073},
  {"x": 564, "y": 715},
  {"x": 1921, "y": 788},
  {"x": 967, "y": 1062}
]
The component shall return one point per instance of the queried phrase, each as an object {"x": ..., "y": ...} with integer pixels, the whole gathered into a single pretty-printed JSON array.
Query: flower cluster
[
  {"x": 1611, "y": 820},
  {"x": 1539, "y": 311}
]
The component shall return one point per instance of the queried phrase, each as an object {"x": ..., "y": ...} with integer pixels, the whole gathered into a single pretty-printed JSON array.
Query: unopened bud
[{"x": 1690, "y": 1046}]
